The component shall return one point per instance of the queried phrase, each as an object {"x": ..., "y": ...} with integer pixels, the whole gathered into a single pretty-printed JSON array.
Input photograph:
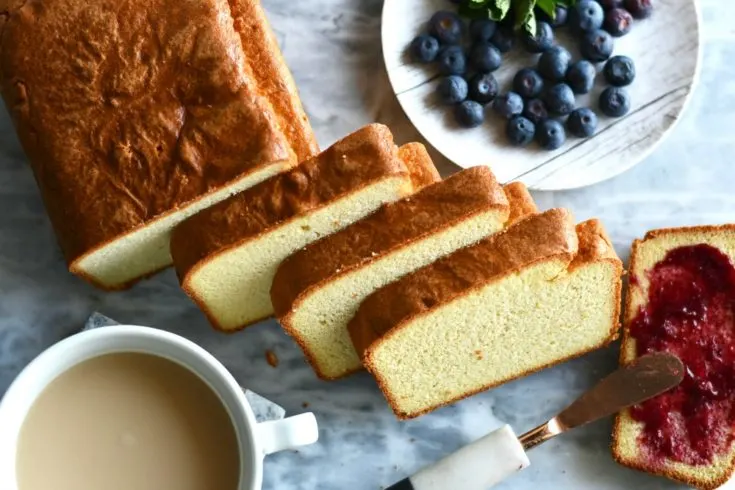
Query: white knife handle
[{"x": 477, "y": 466}]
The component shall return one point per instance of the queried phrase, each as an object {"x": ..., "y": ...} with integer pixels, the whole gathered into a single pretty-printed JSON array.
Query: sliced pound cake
[
  {"x": 136, "y": 115},
  {"x": 226, "y": 256},
  {"x": 536, "y": 294},
  {"x": 681, "y": 299},
  {"x": 317, "y": 290}
]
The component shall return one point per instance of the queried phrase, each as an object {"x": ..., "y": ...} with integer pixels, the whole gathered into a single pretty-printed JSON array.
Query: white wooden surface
[{"x": 664, "y": 47}]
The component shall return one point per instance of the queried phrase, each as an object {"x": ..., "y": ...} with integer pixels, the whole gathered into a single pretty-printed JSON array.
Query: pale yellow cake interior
[
  {"x": 321, "y": 318},
  {"x": 235, "y": 284},
  {"x": 146, "y": 249},
  {"x": 517, "y": 324},
  {"x": 648, "y": 254}
]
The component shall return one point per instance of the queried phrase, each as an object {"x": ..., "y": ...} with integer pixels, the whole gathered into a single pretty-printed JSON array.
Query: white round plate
[{"x": 664, "y": 47}]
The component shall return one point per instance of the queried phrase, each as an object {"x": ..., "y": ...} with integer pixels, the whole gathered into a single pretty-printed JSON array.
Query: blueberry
[
  {"x": 610, "y": 4},
  {"x": 639, "y": 9},
  {"x": 424, "y": 48},
  {"x": 508, "y": 105},
  {"x": 614, "y": 102},
  {"x": 542, "y": 41},
  {"x": 452, "y": 61},
  {"x": 469, "y": 114},
  {"x": 503, "y": 39},
  {"x": 618, "y": 22},
  {"x": 550, "y": 134},
  {"x": 482, "y": 30},
  {"x": 560, "y": 16},
  {"x": 582, "y": 122},
  {"x": 528, "y": 83},
  {"x": 597, "y": 45},
  {"x": 520, "y": 131},
  {"x": 483, "y": 88},
  {"x": 560, "y": 99},
  {"x": 586, "y": 15},
  {"x": 452, "y": 89},
  {"x": 619, "y": 71},
  {"x": 485, "y": 57},
  {"x": 535, "y": 111},
  {"x": 554, "y": 63},
  {"x": 581, "y": 76},
  {"x": 446, "y": 26}
]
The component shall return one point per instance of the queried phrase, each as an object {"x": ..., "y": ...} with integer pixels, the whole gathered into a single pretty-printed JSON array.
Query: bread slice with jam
[{"x": 681, "y": 299}]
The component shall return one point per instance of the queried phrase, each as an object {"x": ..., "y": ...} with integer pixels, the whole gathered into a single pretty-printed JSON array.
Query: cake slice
[
  {"x": 520, "y": 200},
  {"x": 226, "y": 256},
  {"x": 681, "y": 299},
  {"x": 317, "y": 290},
  {"x": 135, "y": 115},
  {"x": 536, "y": 294}
]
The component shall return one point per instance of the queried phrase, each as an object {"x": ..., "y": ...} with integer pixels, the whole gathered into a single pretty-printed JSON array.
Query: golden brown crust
[
  {"x": 538, "y": 237},
  {"x": 419, "y": 163},
  {"x": 393, "y": 226},
  {"x": 125, "y": 120},
  {"x": 682, "y": 230},
  {"x": 619, "y": 457},
  {"x": 594, "y": 243},
  {"x": 272, "y": 75},
  {"x": 522, "y": 201},
  {"x": 353, "y": 162}
]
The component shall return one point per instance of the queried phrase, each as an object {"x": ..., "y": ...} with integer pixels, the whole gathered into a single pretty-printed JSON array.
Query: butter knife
[{"x": 496, "y": 456}]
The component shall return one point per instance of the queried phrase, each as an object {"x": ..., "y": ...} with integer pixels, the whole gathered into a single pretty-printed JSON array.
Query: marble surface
[{"x": 333, "y": 49}]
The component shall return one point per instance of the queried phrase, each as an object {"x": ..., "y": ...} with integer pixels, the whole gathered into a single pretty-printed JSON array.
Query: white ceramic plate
[{"x": 664, "y": 47}]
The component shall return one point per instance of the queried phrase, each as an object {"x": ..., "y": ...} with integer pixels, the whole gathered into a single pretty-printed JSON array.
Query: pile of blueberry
[{"x": 543, "y": 95}]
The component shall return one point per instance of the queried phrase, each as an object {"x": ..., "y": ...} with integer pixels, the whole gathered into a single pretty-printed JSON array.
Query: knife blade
[{"x": 636, "y": 382}]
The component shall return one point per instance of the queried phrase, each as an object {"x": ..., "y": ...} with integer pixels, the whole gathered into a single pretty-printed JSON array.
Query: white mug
[{"x": 255, "y": 440}]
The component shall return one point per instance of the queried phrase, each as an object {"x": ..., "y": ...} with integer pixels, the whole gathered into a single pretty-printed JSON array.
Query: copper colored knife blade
[{"x": 642, "y": 379}]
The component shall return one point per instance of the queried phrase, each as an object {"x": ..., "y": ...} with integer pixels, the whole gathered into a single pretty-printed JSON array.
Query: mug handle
[{"x": 288, "y": 433}]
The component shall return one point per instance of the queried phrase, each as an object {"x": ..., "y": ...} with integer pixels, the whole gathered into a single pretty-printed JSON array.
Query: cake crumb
[
  {"x": 271, "y": 358},
  {"x": 478, "y": 355}
]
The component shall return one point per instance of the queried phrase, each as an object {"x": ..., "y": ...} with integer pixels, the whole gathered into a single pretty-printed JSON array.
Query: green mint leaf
[
  {"x": 525, "y": 18},
  {"x": 503, "y": 6},
  {"x": 495, "y": 13},
  {"x": 530, "y": 24},
  {"x": 548, "y": 6}
]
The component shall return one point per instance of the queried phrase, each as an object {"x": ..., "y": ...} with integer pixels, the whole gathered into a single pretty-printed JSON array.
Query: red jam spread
[{"x": 691, "y": 313}]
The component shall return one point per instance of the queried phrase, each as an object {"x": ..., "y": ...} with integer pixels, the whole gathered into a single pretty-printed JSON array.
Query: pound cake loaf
[
  {"x": 227, "y": 255},
  {"x": 681, "y": 299},
  {"x": 536, "y": 294},
  {"x": 317, "y": 290},
  {"x": 135, "y": 115}
]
